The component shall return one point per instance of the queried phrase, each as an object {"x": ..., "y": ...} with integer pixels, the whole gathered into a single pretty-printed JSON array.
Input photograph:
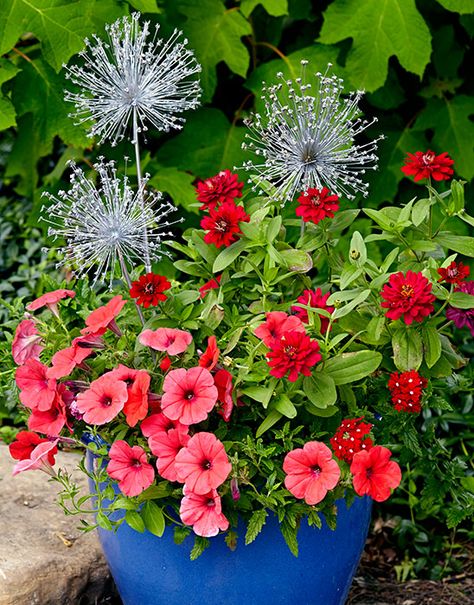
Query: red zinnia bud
[{"x": 428, "y": 164}]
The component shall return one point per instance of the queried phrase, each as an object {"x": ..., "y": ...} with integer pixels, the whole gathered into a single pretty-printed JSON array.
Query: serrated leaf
[
  {"x": 350, "y": 367},
  {"x": 379, "y": 30},
  {"x": 290, "y": 534},
  {"x": 153, "y": 517},
  {"x": 255, "y": 525},
  {"x": 407, "y": 349},
  {"x": 200, "y": 545},
  {"x": 275, "y": 8}
]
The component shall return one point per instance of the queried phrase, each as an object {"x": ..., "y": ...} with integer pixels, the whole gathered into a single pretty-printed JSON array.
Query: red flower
[
  {"x": 224, "y": 187},
  {"x": 166, "y": 445},
  {"x": 103, "y": 400},
  {"x": 315, "y": 205},
  {"x": 24, "y": 444},
  {"x": 165, "y": 363},
  {"x": 426, "y": 165},
  {"x": 65, "y": 360},
  {"x": 51, "y": 421},
  {"x": 311, "y": 472},
  {"x": 138, "y": 384},
  {"x": 406, "y": 390},
  {"x": 38, "y": 459},
  {"x": 37, "y": 391},
  {"x": 455, "y": 273},
  {"x": 129, "y": 466},
  {"x": 210, "y": 285},
  {"x": 210, "y": 356},
  {"x": 188, "y": 395},
  {"x": 408, "y": 296},
  {"x": 203, "y": 513},
  {"x": 50, "y": 299},
  {"x": 275, "y": 325},
  {"x": 149, "y": 288},
  {"x": 295, "y": 353},
  {"x": 159, "y": 423},
  {"x": 351, "y": 438},
  {"x": 223, "y": 224},
  {"x": 316, "y": 299},
  {"x": 203, "y": 464},
  {"x": 374, "y": 473},
  {"x": 171, "y": 340},
  {"x": 26, "y": 342},
  {"x": 103, "y": 318},
  {"x": 223, "y": 382}
]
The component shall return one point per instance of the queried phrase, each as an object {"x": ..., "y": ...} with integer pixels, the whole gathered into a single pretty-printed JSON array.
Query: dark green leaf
[
  {"x": 407, "y": 349},
  {"x": 153, "y": 517},
  {"x": 255, "y": 525},
  {"x": 320, "y": 389},
  {"x": 350, "y": 367}
]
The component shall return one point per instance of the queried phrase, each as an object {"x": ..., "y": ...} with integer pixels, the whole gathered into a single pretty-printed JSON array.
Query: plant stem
[
  {"x": 126, "y": 277},
  {"x": 140, "y": 188}
]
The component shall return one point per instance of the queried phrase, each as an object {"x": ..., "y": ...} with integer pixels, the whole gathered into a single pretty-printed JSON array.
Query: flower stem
[
  {"x": 140, "y": 188},
  {"x": 126, "y": 277}
]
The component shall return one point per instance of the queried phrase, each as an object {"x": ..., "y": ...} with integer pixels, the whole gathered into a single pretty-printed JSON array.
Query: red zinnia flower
[
  {"x": 295, "y": 353},
  {"x": 316, "y": 299},
  {"x": 38, "y": 459},
  {"x": 171, "y": 340},
  {"x": 351, "y": 438},
  {"x": 188, "y": 395},
  {"x": 103, "y": 400},
  {"x": 428, "y": 164},
  {"x": 203, "y": 513},
  {"x": 315, "y": 205},
  {"x": 210, "y": 356},
  {"x": 50, "y": 299},
  {"x": 26, "y": 342},
  {"x": 166, "y": 445},
  {"x": 224, "y": 187},
  {"x": 406, "y": 390},
  {"x": 210, "y": 285},
  {"x": 129, "y": 466},
  {"x": 203, "y": 464},
  {"x": 408, "y": 296},
  {"x": 311, "y": 472},
  {"x": 37, "y": 391},
  {"x": 149, "y": 288},
  {"x": 275, "y": 325},
  {"x": 455, "y": 273},
  {"x": 374, "y": 473},
  {"x": 24, "y": 444},
  {"x": 223, "y": 224},
  {"x": 103, "y": 318}
]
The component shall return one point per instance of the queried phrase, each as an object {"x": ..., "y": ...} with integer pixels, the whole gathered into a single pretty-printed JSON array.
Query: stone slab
[{"x": 44, "y": 558}]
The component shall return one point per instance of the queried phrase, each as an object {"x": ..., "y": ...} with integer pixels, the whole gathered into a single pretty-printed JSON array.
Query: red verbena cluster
[
  {"x": 406, "y": 390},
  {"x": 425, "y": 165},
  {"x": 350, "y": 438}
]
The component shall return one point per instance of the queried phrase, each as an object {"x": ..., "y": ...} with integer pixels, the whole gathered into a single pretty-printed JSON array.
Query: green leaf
[
  {"x": 290, "y": 534},
  {"x": 272, "y": 418},
  {"x": 275, "y": 8},
  {"x": 374, "y": 329},
  {"x": 379, "y": 30},
  {"x": 261, "y": 394},
  {"x": 381, "y": 219},
  {"x": 320, "y": 389},
  {"x": 407, "y": 349},
  {"x": 357, "y": 250},
  {"x": 461, "y": 300},
  {"x": 346, "y": 309},
  {"x": 7, "y": 110},
  {"x": 463, "y": 7},
  {"x": 145, "y": 6},
  {"x": 177, "y": 184},
  {"x": 459, "y": 243},
  {"x": 284, "y": 406},
  {"x": 228, "y": 255},
  {"x": 350, "y": 367},
  {"x": 153, "y": 517},
  {"x": 103, "y": 521},
  {"x": 349, "y": 274},
  {"x": 420, "y": 211},
  {"x": 215, "y": 35},
  {"x": 135, "y": 521},
  {"x": 297, "y": 260},
  {"x": 255, "y": 525},
  {"x": 431, "y": 344},
  {"x": 200, "y": 545}
]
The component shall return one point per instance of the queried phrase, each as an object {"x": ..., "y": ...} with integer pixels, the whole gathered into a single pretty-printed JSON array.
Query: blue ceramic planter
[{"x": 155, "y": 571}]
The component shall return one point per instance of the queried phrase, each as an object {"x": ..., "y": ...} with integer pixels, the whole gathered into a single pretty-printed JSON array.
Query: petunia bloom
[
  {"x": 275, "y": 325},
  {"x": 455, "y": 273},
  {"x": 223, "y": 382},
  {"x": 66, "y": 360},
  {"x": 294, "y": 353},
  {"x": 103, "y": 318},
  {"x": 210, "y": 357},
  {"x": 218, "y": 189},
  {"x": 408, "y": 296},
  {"x": 149, "y": 288},
  {"x": 316, "y": 299},
  {"x": 24, "y": 444},
  {"x": 406, "y": 390},
  {"x": 50, "y": 300},
  {"x": 138, "y": 384},
  {"x": 103, "y": 400},
  {"x": 165, "y": 446},
  {"x": 203, "y": 512},
  {"x": 188, "y": 395},
  {"x": 425, "y": 165},
  {"x": 170, "y": 340},
  {"x": 37, "y": 391},
  {"x": 223, "y": 224},
  {"x": 212, "y": 284},
  {"x": 26, "y": 342},
  {"x": 203, "y": 464},
  {"x": 51, "y": 421},
  {"x": 315, "y": 205},
  {"x": 159, "y": 423},
  {"x": 39, "y": 458},
  {"x": 311, "y": 472},
  {"x": 129, "y": 466},
  {"x": 374, "y": 473},
  {"x": 463, "y": 318},
  {"x": 350, "y": 438}
]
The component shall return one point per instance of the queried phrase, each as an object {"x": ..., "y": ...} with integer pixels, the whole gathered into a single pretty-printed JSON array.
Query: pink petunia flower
[
  {"x": 130, "y": 467},
  {"x": 203, "y": 513},
  {"x": 37, "y": 391},
  {"x": 165, "y": 446},
  {"x": 26, "y": 342},
  {"x": 159, "y": 423},
  {"x": 39, "y": 459},
  {"x": 311, "y": 472},
  {"x": 138, "y": 384},
  {"x": 188, "y": 395},
  {"x": 170, "y": 340},
  {"x": 275, "y": 325},
  {"x": 103, "y": 318},
  {"x": 50, "y": 300},
  {"x": 51, "y": 421},
  {"x": 66, "y": 360},
  {"x": 203, "y": 464},
  {"x": 24, "y": 445},
  {"x": 374, "y": 473},
  {"x": 103, "y": 400}
]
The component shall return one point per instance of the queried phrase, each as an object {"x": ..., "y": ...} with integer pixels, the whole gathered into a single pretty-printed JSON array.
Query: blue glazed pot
[{"x": 155, "y": 571}]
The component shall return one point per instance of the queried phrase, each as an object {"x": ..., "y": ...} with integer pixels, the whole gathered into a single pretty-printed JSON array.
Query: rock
[{"x": 44, "y": 558}]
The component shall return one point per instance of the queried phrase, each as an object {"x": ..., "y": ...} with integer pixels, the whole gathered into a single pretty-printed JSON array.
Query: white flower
[
  {"x": 133, "y": 78},
  {"x": 107, "y": 223},
  {"x": 307, "y": 139}
]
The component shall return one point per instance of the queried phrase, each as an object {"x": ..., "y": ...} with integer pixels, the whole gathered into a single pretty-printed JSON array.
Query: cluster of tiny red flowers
[
  {"x": 406, "y": 390},
  {"x": 350, "y": 438},
  {"x": 454, "y": 273},
  {"x": 217, "y": 195},
  {"x": 314, "y": 205}
]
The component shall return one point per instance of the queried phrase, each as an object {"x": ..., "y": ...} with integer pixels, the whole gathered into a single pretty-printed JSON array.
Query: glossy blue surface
[{"x": 155, "y": 571}]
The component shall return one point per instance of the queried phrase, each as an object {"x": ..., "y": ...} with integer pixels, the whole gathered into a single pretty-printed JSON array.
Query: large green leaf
[
  {"x": 320, "y": 390},
  {"x": 407, "y": 349},
  {"x": 215, "y": 34},
  {"x": 178, "y": 184},
  {"x": 350, "y": 367},
  {"x": 7, "y": 110},
  {"x": 459, "y": 243},
  {"x": 275, "y": 8},
  {"x": 458, "y": 6},
  {"x": 379, "y": 29}
]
